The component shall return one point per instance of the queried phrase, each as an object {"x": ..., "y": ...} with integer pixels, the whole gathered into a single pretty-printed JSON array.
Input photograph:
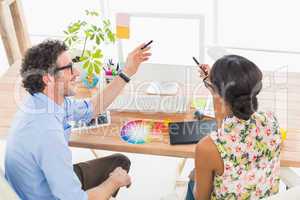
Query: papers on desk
[
  {"x": 205, "y": 105},
  {"x": 103, "y": 119}
]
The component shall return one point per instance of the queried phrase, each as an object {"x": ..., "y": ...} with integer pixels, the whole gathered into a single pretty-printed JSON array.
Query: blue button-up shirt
[{"x": 38, "y": 162}]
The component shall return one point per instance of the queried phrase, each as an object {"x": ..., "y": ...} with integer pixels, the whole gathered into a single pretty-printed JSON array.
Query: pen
[
  {"x": 146, "y": 45},
  {"x": 196, "y": 61},
  {"x": 201, "y": 66},
  {"x": 117, "y": 69}
]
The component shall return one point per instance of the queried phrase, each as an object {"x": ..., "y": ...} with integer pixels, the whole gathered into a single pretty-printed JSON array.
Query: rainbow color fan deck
[{"x": 142, "y": 131}]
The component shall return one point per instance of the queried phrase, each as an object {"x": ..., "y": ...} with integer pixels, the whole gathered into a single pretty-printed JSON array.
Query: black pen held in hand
[
  {"x": 146, "y": 45},
  {"x": 201, "y": 67}
]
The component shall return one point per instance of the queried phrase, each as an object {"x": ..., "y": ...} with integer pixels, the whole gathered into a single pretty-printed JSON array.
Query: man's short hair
[{"x": 39, "y": 60}]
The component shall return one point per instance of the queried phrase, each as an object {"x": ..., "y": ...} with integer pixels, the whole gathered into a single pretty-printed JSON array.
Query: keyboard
[{"x": 150, "y": 103}]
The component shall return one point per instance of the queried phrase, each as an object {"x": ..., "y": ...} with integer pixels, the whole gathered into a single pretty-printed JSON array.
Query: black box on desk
[{"x": 190, "y": 132}]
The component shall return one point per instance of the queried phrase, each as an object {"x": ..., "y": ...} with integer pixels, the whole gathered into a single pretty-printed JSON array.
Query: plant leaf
[
  {"x": 88, "y": 53},
  {"x": 83, "y": 58},
  {"x": 97, "y": 54},
  {"x": 97, "y": 40},
  {"x": 92, "y": 37},
  {"x": 98, "y": 62},
  {"x": 95, "y": 13},
  {"x": 86, "y": 65},
  {"x": 90, "y": 69},
  {"x": 94, "y": 27},
  {"x": 111, "y": 36},
  {"x": 106, "y": 22},
  {"x": 101, "y": 36},
  {"x": 97, "y": 69}
]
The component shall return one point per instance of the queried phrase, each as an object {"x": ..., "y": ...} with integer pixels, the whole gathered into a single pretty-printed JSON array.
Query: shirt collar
[{"x": 50, "y": 105}]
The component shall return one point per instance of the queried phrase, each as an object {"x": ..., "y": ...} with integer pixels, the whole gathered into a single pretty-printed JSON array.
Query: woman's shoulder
[
  {"x": 206, "y": 145},
  {"x": 207, "y": 151}
]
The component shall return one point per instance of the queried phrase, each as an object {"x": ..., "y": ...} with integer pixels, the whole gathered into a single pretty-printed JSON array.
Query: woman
[{"x": 241, "y": 159}]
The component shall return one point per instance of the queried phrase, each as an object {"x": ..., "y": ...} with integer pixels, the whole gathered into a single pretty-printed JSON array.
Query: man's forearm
[{"x": 105, "y": 97}]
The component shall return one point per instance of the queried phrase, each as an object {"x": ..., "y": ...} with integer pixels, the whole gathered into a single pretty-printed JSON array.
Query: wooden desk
[{"x": 107, "y": 138}]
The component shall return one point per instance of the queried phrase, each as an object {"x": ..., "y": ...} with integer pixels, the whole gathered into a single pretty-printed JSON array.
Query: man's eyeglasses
[
  {"x": 207, "y": 83},
  {"x": 57, "y": 69}
]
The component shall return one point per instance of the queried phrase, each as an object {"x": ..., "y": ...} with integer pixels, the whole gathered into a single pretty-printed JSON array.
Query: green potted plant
[{"x": 87, "y": 37}]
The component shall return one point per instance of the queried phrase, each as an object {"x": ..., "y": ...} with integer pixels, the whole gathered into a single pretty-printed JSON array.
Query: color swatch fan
[{"x": 141, "y": 132}]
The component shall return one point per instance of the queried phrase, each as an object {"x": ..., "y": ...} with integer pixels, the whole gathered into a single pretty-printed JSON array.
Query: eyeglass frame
[{"x": 70, "y": 65}]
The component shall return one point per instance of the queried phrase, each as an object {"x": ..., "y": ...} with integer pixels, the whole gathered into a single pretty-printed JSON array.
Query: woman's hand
[{"x": 203, "y": 70}]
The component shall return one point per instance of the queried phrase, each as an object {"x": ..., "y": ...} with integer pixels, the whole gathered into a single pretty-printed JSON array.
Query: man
[{"x": 38, "y": 162}]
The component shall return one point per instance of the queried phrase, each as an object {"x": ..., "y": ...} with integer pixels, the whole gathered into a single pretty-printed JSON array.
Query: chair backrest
[
  {"x": 6, "y": 192},
  {"x": 13, "y": 29}
]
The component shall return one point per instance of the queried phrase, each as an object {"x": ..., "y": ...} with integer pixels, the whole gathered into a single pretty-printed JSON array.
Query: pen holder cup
[{"x": 109, "y": 78}]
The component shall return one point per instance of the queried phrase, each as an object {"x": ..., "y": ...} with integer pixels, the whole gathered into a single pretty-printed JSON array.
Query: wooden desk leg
[
  {"x": 94, "y": 153},
  {"x": 178, "y": 173}
]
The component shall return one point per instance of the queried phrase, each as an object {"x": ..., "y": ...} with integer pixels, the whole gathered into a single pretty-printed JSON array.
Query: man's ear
[{"x": 48, "y": 79}]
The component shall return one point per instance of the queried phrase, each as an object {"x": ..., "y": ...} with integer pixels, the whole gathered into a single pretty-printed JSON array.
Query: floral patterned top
[{"x": 250, "y": 151}]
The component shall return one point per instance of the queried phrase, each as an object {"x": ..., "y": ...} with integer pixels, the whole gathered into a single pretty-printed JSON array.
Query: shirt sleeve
[
  {"x": 55, "y": 160},
  {"x": 78, "y": 110}
]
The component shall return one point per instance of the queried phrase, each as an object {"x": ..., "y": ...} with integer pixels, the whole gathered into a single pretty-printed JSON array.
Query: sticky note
[
  {"x": 122, "y": 22},
  {"x": 122, "y": 32},
  {"x": 122, "y": 19}
]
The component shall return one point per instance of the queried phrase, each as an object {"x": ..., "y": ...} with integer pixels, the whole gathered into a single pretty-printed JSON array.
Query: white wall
[{"x": 248, "y": 24}]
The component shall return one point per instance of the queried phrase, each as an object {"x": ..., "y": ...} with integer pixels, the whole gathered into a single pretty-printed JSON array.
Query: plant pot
[
  {"x": 88, "y": 85},
  {"x": 89, "y": 80},
  {"x": 83, "y": 92}
]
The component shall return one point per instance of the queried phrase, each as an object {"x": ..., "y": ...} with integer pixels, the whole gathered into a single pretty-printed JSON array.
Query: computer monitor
[{"x": 177, "y": 37}]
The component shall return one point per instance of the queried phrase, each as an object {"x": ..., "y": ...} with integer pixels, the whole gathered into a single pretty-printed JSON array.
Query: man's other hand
[{"x": 120, "y": 177}]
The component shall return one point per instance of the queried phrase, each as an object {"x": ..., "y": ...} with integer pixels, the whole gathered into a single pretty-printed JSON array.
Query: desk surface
[{"x": 107, "y": 138}]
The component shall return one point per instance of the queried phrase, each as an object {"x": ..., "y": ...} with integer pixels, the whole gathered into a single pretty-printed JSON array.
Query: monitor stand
[{"x": 162, "y": 88}]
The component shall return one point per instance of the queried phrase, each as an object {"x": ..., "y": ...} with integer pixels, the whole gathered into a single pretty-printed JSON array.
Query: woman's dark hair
[
  {"x": 238, "y": 81},
  {"x": 38, "y": 60}
]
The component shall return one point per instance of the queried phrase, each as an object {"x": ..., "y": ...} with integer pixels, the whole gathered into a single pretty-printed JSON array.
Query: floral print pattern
[{"x": 250, "y": 151}]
